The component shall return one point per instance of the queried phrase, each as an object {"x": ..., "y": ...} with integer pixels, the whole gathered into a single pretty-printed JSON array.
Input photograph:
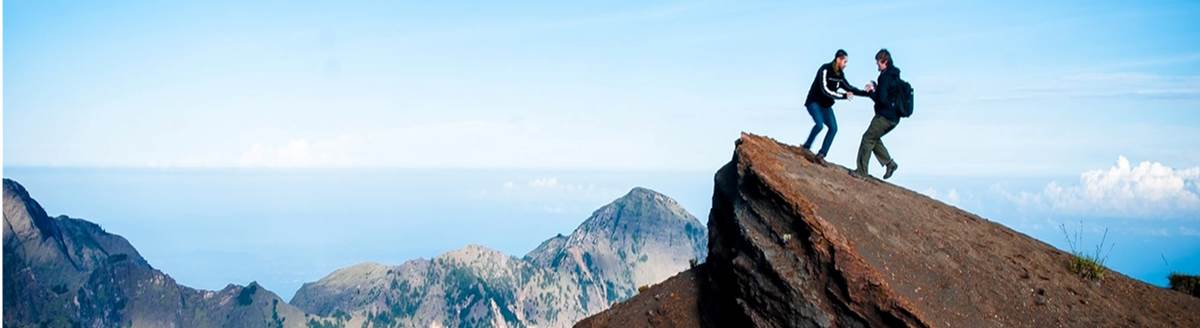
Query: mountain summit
[
  {"x": 641, "y": 238},
  {"x": 66, "y": 272},
  {"x": 796, "y": 244}
]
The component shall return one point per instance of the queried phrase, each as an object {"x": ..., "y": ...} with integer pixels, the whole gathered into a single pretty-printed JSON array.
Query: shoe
[
  {"x": 858, "y": 174},
  {"x": 821, "y": 160},
  {"x": 890, "y": 169}
]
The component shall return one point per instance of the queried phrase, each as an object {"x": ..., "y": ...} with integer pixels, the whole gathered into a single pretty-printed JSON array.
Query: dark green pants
[{"x": 871, "y": 143}]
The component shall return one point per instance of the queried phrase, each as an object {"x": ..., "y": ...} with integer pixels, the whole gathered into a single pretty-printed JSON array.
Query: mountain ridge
[
  {"x": 64, "y": 271},
  {"x": 67, "y": 271},
  {"x": 560, "y": 281}
]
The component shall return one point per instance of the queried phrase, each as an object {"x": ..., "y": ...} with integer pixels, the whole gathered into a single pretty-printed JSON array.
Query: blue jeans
[{"x": 821, "y": 116}]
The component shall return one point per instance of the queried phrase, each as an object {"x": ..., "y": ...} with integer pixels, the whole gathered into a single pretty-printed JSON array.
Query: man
[
  {"x": 887, "y": 116},
  {"x": 829, "y": 84}
]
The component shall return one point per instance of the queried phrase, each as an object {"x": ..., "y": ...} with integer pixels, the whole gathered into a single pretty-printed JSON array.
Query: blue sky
[
  {"x": 1021, "y": 87},
  {"x": 1066, "y": 110}
]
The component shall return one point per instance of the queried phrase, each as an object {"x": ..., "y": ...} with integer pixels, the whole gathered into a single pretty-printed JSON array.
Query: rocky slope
[
  {"x": 639, "y": 239},
  {"x": 795, "y": 244},
  {"x": 64, "y": 272}
]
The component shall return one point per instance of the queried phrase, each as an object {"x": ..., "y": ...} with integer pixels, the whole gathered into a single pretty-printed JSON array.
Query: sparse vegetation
[
  {"x": 246, "y": 296},
  {"x": 1089, "y": 266},
  {"x": 116, "y": 258},
  {"x": 643, "y": 288},
  {"x": 1188, "y": 284},
  {"x": 380, "y": 319},
  {"x": 341, "y": 315},
  {"x": 276, "y": 320},
  {"x": 314, "y": 323},
  {"x": 339, "y": 321}
]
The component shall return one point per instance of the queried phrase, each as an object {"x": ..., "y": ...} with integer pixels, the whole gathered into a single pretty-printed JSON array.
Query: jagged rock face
[
  {"x": 548, "y": 251},
  {"x": 641, "y": 238},
  {"x": 473, "y": 286},
  {"x": 783, "y": 265},
  {"x": 796, "y": 244},
  {"x": 63, "y": 272},
  {"x": 58, "y": 251}
]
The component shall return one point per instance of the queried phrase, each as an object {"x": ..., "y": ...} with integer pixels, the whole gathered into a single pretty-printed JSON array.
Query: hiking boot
[
  {"x": 859, "y": 174},
  {"x": 821, "y": 160},
  {"x": 891, "y": 168}
]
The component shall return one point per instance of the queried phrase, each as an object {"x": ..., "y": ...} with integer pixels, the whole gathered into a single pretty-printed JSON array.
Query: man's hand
[
  {"x": 849, "y": 94},
  {"x": 870, "y": 86}
]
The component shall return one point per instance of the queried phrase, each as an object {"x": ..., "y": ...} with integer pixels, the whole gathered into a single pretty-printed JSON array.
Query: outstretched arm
[
  {"x": 856, "y": 91},
  {"x": 836, "y": 94}
]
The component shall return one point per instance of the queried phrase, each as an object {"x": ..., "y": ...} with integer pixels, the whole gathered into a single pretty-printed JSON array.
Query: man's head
[
  {"x": 839, "y": 60},
  {"x": 883, "y": 59}
]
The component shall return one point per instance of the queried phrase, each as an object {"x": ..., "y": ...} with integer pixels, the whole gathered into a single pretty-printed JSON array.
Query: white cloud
[
  {"x": 336, "y": 152},
  {"x": 1148, "y": 189},
  {"x": 551, "y": 194},
  {"x": 952, "y": 196},
  {"x": 548, "y": 184},
  {"x": 949, "y": 197},
  {"x": 544, "y": 183}
]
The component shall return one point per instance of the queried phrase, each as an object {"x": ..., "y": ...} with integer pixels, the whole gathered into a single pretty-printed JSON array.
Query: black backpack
[{"x": 902, "y": 98}]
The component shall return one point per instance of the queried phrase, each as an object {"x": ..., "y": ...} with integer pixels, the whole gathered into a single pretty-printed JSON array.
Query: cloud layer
[{"x": 1146, "y": 190}]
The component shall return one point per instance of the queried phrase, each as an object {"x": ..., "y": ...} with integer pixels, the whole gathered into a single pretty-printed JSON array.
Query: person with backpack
[
  {"x": 893, "y": 100},
  {"x": 829, "y": 84}
]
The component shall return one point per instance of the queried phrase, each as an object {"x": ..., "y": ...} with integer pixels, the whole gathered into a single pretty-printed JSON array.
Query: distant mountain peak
[
  {"x": 69, "y": 272},
  {"x": 565, "y": 278},
  {"x": 640, "y": 207},
  {"x": 545, "y": 252},
  {"x": 646, "y": 195},
  {"x": 642, "y": 191},
  {"x": 16, "y": 197},
  {"x": 474, "y": 253}
]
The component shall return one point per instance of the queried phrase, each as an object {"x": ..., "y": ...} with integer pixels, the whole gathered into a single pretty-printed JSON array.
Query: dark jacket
[
  {"x": 825, "y": 87},
  {"x": 887, "y": 82}
]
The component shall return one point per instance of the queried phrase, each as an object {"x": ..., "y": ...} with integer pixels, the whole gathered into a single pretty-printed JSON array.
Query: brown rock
[{"x": 861, "y": 253}]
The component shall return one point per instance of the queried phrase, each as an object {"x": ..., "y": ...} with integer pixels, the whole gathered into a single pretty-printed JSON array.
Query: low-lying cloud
[{"x": 1145, "y": 190}]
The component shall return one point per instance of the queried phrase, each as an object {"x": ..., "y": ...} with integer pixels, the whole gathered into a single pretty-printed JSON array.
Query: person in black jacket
[
  {"x": 887, "y": 116},
  {"x": 829, "y": 84}
]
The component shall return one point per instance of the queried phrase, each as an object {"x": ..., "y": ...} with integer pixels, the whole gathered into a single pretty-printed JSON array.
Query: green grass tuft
[
  {"x": 1188, "y": 284},
  {"x": 1089, "y": 266},
  {"x": 1086, "y": 266}
]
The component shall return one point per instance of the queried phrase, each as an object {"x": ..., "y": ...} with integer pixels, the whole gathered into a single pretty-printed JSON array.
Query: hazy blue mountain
[
  {"x": 641, "y": 238},
  {"x": 64, "y": 272},
  {"x": 67, "y": 272}
]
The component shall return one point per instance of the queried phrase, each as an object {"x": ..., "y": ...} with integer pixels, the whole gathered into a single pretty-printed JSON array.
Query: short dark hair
[
  {"x": 884, "y": 55},
  {"x": 839, "y": 54}
]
